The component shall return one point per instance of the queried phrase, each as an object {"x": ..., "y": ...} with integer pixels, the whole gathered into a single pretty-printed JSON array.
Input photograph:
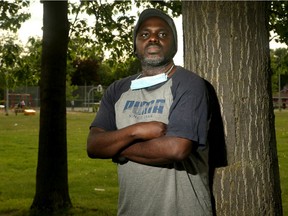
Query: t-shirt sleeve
[
  {"x": 105, "y": 117},
  {"x": 189, "y": 112}
]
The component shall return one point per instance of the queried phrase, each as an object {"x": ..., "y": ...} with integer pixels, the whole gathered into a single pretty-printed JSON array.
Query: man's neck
[{"x": 148, "y": 70}]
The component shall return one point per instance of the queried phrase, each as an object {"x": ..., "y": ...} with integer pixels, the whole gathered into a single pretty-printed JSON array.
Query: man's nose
[{"x": 154, "y": 38}]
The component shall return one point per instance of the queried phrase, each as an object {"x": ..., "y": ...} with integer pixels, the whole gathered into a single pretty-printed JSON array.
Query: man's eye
[
  {"x": 162, "y": 34},
  {"x": 144, "y": 35}
]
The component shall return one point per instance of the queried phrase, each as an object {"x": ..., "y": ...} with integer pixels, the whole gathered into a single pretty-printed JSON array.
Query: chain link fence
[{"x": 84, "y": 98}]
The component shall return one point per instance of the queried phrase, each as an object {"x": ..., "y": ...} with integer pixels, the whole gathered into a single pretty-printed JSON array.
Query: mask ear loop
[
  {"x": 138, "y": 76},
  {"x": 169, "y": 71}
]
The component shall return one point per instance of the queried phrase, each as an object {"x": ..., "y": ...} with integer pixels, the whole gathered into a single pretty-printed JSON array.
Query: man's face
[{"x": 154, "y": 42}]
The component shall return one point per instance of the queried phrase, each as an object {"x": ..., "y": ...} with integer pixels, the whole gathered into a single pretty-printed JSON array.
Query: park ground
[{"x": 93, "y": 184}]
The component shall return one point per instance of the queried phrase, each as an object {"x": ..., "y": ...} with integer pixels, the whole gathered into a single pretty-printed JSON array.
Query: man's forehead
[{"x": 154, "y": 22}]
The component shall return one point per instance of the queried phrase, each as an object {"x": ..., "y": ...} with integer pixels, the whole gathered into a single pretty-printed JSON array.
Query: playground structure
[
  {"x": 280, "y": 100},
  {"x": 19, "y": 102}
]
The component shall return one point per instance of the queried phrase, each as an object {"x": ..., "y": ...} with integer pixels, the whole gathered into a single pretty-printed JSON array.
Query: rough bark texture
[
  {"x": 52, "y": 176},
  {"x": 227, "y": 44}
]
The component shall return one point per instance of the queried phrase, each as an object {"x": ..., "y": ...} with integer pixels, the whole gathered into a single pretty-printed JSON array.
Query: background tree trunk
[
  {"x": 52, "y": 177},
  {"x": 227, "y": 43}
]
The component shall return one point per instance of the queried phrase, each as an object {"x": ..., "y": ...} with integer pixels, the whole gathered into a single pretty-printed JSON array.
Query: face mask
[{"x": 150, "y": 80}]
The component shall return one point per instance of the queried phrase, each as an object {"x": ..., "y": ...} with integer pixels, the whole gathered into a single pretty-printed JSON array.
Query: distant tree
[
  {"x": 123, "y": 68},
  {"x": 12, "y": 16},
  {"x": 279, "y": 65},
  {"x": 10, "y": 67},
  {"x": 52, "y": 176},
  {"x": 85, "y": 72},
  {"x": 106, "y": 74},
  {"x": 31, "y": 62},
  {"x": 70, "y": 89},
  {"x": 10, "y": 62}
]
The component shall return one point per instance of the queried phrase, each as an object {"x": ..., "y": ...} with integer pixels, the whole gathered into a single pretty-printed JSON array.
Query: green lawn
[
  {"x": 281, "y": 127},
  {"x": 92, "y": 183}
]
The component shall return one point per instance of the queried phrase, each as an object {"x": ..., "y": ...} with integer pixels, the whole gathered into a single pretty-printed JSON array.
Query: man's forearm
[
  {"x": 106, "y": 144},
  {"x": 159, "y": 151}
]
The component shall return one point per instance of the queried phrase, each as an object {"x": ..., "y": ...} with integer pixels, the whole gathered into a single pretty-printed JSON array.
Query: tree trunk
[
  {"x": 227, "y": 43},
  {"x": 52, "y": 176}
]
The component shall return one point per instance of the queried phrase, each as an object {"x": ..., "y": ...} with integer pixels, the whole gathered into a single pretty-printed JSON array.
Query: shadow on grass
[{"x": 74, "y": 211}]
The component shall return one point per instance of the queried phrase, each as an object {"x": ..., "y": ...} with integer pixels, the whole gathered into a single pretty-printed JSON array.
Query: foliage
[
  {"x": 70, "y": 96},
  {"x": 278, "y": 21},
  {"x": 108, "y": 38},
  {"x": 10, "y": 63},
  {"x": 12, "y": 14},
  {"x": 279, "y": 65},
  {"x": 122, "y": 69},
  {"x": 31, "y": 59},
  {"x": 102, "y": 52},
  {"x": 111, "y": 30},
  {"x": 86, "y": 72}
]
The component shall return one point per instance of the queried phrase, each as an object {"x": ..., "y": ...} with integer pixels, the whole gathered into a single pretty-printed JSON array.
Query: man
[{"x": 154, "y": 125}]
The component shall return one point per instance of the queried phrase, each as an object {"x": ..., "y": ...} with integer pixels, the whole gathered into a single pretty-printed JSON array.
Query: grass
[
  {"x": 93, "y": 186},
  {"x": 281, "y": 127}
]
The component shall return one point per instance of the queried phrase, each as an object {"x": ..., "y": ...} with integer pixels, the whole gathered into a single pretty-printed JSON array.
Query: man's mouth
[{"x": 153, "y": 49}]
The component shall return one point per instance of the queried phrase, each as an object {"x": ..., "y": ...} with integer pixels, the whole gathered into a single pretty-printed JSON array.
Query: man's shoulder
[
  {"x": 188, "y": 76},
  {"x": 186, "y": 72},
  {"x": 122, "y": 84}
]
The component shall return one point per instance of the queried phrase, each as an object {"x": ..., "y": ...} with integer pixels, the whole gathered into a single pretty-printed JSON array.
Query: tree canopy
[
  {"x": 278, "y": 21},
  {"x": 12, "y": 14},
  {"x": 107, "y": 39}
]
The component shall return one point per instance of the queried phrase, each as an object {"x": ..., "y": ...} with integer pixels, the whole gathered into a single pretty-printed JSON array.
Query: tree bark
[
  {"x": 52, "y": 172},
  {"x": 227, "y": 43}
]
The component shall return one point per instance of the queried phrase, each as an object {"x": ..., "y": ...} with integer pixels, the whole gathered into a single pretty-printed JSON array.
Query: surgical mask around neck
[{"x": 150, "y": 80}]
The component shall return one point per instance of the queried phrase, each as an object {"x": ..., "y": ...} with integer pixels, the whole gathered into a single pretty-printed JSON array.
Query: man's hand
[
  {"x": 150, "y": 130},
  {"x": 107, "y": 144}
]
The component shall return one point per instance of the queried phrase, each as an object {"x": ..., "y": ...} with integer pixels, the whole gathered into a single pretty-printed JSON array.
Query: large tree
[
  {"x": 52, "y": 176},
  {"x": 228, "y": 44}
]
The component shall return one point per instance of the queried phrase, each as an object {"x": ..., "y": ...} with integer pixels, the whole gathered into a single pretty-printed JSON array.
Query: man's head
[{"x": 155, "y": 37}]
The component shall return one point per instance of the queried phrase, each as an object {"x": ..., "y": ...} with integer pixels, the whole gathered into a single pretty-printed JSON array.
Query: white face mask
[{"x": 150, "y": 80}]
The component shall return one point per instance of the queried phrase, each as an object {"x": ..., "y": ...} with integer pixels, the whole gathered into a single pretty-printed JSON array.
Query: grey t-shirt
[{"x": 179, "y": 188}]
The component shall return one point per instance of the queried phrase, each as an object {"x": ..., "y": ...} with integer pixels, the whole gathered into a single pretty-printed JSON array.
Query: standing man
[{"x": 154, "y": 125}]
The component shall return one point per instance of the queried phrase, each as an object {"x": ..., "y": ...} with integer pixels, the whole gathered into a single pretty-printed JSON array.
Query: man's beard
[
  {"x": 153, "y": 61},
  {"x": 156, "y": 60}
]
